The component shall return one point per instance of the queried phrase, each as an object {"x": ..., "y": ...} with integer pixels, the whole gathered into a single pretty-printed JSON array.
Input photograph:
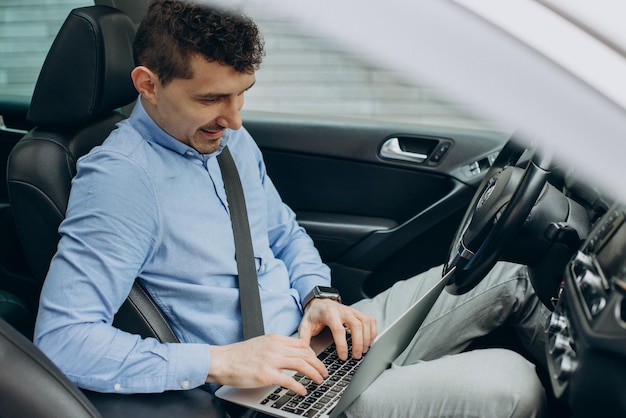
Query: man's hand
[
  {"x": 320, "y": 313},
  {"x": 260, "y": 361}
]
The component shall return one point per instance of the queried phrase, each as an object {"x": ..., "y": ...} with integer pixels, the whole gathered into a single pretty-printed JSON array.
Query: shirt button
[
  {"x": 189, "y": 153},
  {"x": 185, "y": 384},
  {"x": 117, "y": 387}
]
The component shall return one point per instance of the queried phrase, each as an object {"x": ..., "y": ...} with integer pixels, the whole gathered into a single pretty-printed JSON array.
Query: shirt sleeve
[{"x": 111, "y": 228}]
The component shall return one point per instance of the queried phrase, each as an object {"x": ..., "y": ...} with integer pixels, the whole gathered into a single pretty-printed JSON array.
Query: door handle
[
  {"x": 5, "y": 128},
  {"x": 391, "y": 149}
]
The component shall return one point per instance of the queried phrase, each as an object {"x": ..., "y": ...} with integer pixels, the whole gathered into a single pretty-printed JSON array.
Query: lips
[{"x": 212, "y": 134}]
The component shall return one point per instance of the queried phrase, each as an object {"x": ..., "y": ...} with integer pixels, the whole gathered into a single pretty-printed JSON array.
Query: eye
[{"x": 209, "y": 100}]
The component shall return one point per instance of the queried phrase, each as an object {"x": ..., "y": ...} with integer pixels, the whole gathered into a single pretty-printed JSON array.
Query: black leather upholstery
[
  {"x": 31, "y": 386},
  {"x": 87, "y": 71},
  {"x": 14, "y": 311},
  {"x": 84, "y": 80}
]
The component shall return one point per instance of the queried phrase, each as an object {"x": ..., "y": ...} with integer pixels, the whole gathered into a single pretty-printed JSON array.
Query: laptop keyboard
[{"x": 320, "y": 399}]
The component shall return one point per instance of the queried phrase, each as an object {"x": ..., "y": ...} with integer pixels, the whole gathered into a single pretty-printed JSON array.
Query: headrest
[{"x": 86, "y": 73}]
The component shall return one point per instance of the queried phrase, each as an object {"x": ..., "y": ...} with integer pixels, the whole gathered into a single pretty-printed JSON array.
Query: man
[{"x": 150, "y": 203}]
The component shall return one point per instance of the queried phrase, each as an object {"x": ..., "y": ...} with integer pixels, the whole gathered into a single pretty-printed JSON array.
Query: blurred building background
[{"x": 302, "y": 72}]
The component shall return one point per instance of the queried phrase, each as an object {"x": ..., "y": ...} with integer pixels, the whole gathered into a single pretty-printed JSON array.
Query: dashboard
[{"x": 586, "y": 347}]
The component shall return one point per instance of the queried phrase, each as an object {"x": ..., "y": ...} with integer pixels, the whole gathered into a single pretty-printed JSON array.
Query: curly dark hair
[{"x": 173, "y": 31}]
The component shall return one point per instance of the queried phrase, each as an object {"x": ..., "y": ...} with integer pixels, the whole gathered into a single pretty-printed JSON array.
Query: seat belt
[{"x": 249, "y": 299}]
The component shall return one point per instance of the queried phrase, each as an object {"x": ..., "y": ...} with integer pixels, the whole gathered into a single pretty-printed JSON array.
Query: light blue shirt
[{"x": 146, "y": 205}]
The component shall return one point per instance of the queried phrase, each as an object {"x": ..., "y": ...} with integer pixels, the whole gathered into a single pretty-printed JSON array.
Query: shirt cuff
[
  {"x": 188, "y": 366},
  {"x": 306, "y": 284}
]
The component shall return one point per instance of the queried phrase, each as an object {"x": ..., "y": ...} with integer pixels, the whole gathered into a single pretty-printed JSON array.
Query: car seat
[
  {"x": 32, "y": 386},
  {"x": 83, "y": 83},
  {"x": 15, "y": 312}
]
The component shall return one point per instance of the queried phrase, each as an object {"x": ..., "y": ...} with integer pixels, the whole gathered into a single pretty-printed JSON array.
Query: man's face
[{"x": 196, "y": 111}]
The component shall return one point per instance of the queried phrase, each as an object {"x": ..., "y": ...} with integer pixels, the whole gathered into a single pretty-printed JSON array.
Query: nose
[{"x": 229, "y": 116}]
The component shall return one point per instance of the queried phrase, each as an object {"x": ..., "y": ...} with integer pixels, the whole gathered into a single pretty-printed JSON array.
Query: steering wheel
[{"x": 496, "y": 213}]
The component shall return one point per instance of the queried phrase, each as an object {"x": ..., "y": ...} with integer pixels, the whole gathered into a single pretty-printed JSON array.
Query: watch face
[
  {"x": 322, "y": 292},
  {"x": 326, "y": 289}
]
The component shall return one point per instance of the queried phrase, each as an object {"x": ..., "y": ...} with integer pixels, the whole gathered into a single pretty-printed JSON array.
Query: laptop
[{"x": 347, "y": 379}]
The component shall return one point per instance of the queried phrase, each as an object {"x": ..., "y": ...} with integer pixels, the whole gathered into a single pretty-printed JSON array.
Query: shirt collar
[{"x": 152, "y": 132}]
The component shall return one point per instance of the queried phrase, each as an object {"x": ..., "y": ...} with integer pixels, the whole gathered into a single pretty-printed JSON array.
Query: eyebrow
[{"x": 218, "y": 95}]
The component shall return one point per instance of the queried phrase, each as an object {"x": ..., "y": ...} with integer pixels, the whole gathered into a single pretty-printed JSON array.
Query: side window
[
  {"x": 304, "y": 72},
  {"x": 27, "y": 29}
]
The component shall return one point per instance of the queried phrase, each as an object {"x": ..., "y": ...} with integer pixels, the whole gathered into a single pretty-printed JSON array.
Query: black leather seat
[
  {"x": 15, "y": 312},
  {"x": 31, "y": 386},
  {"x": 83, "y": 83}
]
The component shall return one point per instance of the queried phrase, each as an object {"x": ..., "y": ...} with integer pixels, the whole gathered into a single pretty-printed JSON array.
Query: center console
[{"x": 587, "y": 331}]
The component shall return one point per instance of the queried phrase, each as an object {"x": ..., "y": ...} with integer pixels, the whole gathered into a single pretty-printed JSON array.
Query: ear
[{"x": 145, "y": 82}]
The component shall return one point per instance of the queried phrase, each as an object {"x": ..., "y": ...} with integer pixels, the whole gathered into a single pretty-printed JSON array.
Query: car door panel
[{"x": 374, "y": 219}]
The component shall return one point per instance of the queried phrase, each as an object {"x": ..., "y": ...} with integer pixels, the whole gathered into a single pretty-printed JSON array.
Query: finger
[
  {"x": 357, "y": 331},
  {"x": 290, "y": 383},
  {"x": 341, "y": 343},
  {"x": 304, "y": 332},
  {"x": 315, "y": 371},
  {"x": 308, "y": 364},
  {"x": 363, "y": 330},
  {"x": 319, "y": 369},
  {"x": 302, "y": 358},
  {"x": 365, "y": 333},
  {"x": 373, "y": 330},
  {"x": 369, "y": 331}
]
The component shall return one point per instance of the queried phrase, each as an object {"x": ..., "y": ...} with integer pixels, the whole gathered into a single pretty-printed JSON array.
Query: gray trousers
[{"x": 433, "y": 377}]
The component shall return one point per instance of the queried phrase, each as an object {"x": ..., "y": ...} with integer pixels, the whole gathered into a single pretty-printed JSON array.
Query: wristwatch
[{"x": 322, "y": 292}]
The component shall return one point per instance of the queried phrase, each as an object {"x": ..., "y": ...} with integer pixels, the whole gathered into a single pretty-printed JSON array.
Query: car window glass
[
  {"x": 305, "y": 73},
  {"x": 302, "y": 73},
  {"x": 27, "y": 29}
]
